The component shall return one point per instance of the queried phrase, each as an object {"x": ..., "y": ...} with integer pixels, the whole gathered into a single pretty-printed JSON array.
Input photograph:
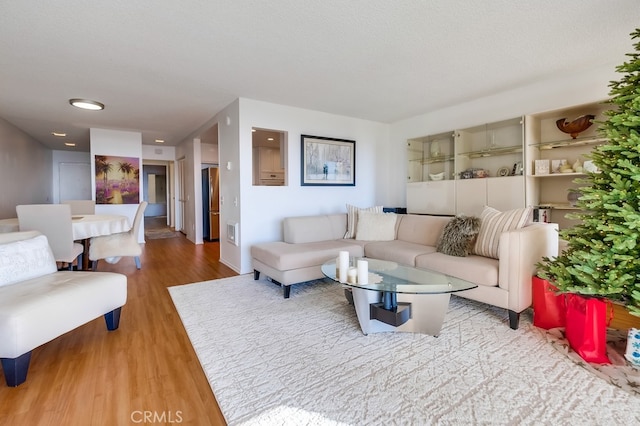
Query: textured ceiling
[{"x": 166, "y": 67}]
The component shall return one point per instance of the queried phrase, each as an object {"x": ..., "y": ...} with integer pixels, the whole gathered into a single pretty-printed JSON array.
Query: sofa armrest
[{"x": 519, "y": 252}]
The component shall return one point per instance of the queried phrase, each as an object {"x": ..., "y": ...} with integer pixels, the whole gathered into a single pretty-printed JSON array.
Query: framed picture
[{"x": 328, "y": 161}]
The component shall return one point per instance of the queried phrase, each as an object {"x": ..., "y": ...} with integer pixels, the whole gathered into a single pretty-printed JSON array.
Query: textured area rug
[
  {"x": 157, "y": 234},
  {"x": 619, "y": 373},
  {"x": 304, "y": 360}
]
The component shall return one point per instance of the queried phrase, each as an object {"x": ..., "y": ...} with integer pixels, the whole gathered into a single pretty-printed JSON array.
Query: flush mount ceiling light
[
  {"x": 86, "y": 104},
  {"x": 159, "y": 140}
]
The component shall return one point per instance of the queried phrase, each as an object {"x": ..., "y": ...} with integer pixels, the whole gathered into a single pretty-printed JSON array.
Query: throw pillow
[
  {"x": 493, "y": 223},
  {"x": 25, "y": 259},
  {"x": 352, "y": 218},
  {"x": 458, "y": 236},
  {"x": 376, "y": 226}
]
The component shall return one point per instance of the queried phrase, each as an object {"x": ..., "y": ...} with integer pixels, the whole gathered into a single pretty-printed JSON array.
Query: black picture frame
[{"x": 327, "y": 161}]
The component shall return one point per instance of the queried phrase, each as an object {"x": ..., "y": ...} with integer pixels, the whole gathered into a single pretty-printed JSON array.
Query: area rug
[
  {"x": 304, "y": 360},
  {"x": 158, "y": 234},
  {"x": 619, "y": 372}
]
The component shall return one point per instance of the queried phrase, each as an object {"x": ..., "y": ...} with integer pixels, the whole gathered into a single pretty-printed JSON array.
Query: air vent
[{"x": 232, "y": 232}]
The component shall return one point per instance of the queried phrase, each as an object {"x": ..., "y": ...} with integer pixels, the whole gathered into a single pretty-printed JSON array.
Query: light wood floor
[{"x": 93, "y": 377}]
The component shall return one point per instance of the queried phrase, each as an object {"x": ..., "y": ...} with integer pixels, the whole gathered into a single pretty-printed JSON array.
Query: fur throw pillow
[{"x": 458, "y": 236}]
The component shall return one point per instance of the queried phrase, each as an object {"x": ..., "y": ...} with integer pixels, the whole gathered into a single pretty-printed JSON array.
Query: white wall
[
  {"x": 576, "y": 89},
  {"x": 25, "y": 170},
  {"x": 122, "y": 144},
  {"x": 263, "y": 207},
  {"x": 66, "y": 157}
]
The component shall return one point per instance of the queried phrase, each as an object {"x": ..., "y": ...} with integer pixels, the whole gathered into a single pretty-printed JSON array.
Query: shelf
[
  {"x": 492, "y": 152},
  {"x": 557, "y": 206},
  {"x": 550, "y": 175},
  {"x": 569, "y": 143}
]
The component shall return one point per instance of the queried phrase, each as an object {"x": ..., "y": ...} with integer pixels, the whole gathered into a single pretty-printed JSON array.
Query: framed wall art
[
  {"x": 327, "y": 161},
  {"x": 117, "y": 180}
]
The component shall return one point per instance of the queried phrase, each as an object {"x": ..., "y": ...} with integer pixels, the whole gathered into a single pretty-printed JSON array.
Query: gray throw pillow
[{"x": 458, "y": 236}]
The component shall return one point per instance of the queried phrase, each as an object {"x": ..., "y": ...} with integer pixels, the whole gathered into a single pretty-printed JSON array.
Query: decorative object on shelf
[
  {"x": 577, "y": 166},
  {"x": 566, "y": 168},
  {"x": 517, "y": 169},
  {"x": 573, "y": 196},
  {"x": 504, "y": 171},
  {"x": 542, "y": 214},
  {"x": 466, "y": 174},
  {"x": 589, "y": 166},
  {"x": 480, "y": 173},
  {"x": 575, "y": 127},
  {"x": 435, "y": 149},
  {"x": 436, "y": 176},
  {"x": 556, "y": 165},
  {"x": 542, "y": 167}
]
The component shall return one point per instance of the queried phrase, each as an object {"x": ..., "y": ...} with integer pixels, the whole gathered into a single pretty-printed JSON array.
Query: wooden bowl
[{"x": 576, "y": 126}]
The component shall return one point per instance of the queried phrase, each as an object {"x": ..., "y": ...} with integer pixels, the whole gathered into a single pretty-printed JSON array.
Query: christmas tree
[{"x": 603, "y": 254}]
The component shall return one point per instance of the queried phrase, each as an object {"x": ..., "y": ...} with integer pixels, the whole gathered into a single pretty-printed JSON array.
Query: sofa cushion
[
  {"x": 284, "y": 256},
  {"x": 25, "y": 259},
  {"x": 459, "y": 236},
  {"x": 493, "y": 223},
  {"x": 307, "y": 229},
  {"x": 40, "y": 309},
  {"x": 476, "y": 269},
  {"x": 376, "y": 226},
  {"x": 352, "y": 218},
  {"x": 421, "y": 229},
  {"x": 397, "y": 251}
]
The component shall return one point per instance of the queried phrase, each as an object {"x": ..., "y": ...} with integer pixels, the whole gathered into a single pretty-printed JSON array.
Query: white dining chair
[
  {"x": 79, "y": 207},
  {"x": 54, "y": 221},
  {"x": 115, "y": 246}
]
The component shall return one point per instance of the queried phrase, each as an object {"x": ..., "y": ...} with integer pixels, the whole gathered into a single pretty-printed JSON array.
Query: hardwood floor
[{"x": 144, "y": 372}]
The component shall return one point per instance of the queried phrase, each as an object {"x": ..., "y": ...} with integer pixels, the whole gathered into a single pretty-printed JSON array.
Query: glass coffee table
[{"x": 399, "y": 297}]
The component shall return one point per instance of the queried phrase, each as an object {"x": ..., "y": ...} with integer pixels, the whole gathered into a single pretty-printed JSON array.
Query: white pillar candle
[
  {"x": 343, "y": 266},
  {"x": 363, "y": 272},
  {"x": 352, "y": 276}
]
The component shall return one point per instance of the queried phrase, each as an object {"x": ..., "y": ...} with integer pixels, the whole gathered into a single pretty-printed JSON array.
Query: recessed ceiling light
[
  {"x": 86, "y": 104},
  {"x": 269, "y": 139},
  {"x": 59, "y": 134},
  {"x": 159, "y": 140},
  {"x": 70, "y": 144}
]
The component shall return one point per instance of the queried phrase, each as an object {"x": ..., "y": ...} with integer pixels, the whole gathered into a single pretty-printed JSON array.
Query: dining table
[{"x": 84, "y": 228}]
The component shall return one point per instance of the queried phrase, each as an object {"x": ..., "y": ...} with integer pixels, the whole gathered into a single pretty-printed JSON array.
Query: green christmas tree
[{"x": 603, "y": 254}]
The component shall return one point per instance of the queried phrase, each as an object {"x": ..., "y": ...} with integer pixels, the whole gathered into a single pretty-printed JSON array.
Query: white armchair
[{"x": 124, "y": 244}]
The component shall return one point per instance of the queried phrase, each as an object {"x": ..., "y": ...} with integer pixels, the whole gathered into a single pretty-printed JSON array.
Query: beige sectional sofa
[{"x": 310, "y": 241}]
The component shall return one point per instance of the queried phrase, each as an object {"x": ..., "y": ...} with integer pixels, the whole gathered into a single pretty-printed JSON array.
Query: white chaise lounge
[{"x": 39, "y": 303}]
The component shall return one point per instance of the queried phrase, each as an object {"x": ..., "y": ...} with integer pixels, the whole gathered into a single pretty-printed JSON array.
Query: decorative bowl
[
  {"x": 576, "y": 126},
  {"x": 436, "y": 176}
]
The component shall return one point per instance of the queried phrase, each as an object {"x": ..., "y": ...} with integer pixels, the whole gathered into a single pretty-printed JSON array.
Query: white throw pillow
[
  {"x": 493, "y": 223},
  {"x": 352, "y": 218},
  {"x": 376, "y": 226},
  {"x": 26, "y": 259}
]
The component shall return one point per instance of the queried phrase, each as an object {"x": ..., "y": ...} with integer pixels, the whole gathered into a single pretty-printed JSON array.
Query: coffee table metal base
[{"x": 427, "y": 312}]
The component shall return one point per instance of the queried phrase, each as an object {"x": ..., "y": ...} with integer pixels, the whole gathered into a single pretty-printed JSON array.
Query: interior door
[
  {"x": 181, "y": 197},
  {"x": 214, "y": 204}
]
